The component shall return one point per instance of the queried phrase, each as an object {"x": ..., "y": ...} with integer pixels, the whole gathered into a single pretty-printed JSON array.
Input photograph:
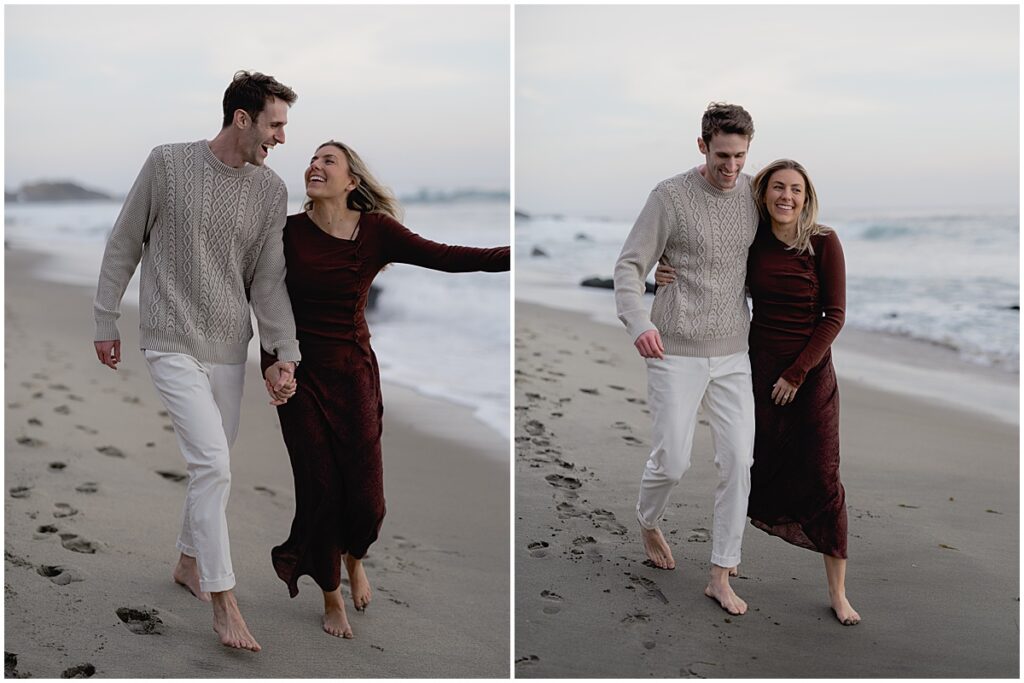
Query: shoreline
[
  {"x": 896, "y": 364},
  {"x": 933, "y": 501},
  {"x": 85, "y": 439}
]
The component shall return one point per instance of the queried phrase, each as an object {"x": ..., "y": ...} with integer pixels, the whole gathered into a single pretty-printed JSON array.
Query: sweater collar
[
  {"x": 247, "y": 169},
  {"x": 703, "y": 183}
]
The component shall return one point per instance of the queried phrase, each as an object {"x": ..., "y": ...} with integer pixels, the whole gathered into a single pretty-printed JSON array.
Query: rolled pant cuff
[
  {"x": 186, "y": 549},
  {"x": 727, "y": 562},
  {"x": 217, "y": 585},
  {"x": 644, "y": 524}
]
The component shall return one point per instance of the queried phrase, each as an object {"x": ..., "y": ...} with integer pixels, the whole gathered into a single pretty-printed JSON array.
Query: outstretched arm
[{"x": 405, "y": 246}]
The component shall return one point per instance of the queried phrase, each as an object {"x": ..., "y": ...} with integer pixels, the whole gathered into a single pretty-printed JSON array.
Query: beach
[
  {"x": 932, "y": 488},
  {"x": 93, "y": 494}
]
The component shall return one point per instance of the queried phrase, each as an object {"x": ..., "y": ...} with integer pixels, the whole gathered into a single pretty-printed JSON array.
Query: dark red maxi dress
[
  {"x": 799, "y": 308},
  {"x": 332, "y": 426}
]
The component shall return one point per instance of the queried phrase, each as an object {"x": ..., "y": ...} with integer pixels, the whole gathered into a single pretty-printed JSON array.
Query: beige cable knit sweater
[
  {"x": 705, "y": 233},
  {"x": 209, "y": 237}
]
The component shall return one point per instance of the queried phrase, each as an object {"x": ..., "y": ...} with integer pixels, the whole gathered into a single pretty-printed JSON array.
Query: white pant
[
  {"x": 676, "y": 387},
  {"x": 204, "y": 401}
]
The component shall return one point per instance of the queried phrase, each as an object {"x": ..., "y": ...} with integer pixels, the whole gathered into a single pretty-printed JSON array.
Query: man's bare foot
[
  {"x": 719, "y": 590},
  {"x": 657, "y": 548},
  {"x": 228, "y": 623},
  {"x": 844, "y": 611},
  {"x": 358, "y": 583},
  {"x": 186, "y": 573},
  {"x": 335, "y": 620}
]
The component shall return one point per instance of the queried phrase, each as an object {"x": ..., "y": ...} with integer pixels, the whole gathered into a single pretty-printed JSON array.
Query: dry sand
[
  {"x": 934, "y": 536},
  {"x": 93, "y": 498}
]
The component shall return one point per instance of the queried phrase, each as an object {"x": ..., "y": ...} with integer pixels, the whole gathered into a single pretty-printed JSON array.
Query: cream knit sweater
[
  {"x": 209, "y": 237},
  {"x": 705, "y": 233}
]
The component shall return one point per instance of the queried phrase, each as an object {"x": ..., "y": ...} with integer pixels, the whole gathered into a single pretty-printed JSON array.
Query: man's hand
[
  {"x": 280, "y": 381},
  {"x": 783, "y": 392},
  {"x": 664, "y": 274},
  {"x": 109, "y": 352},
  {"x": 649, "y": 345}
]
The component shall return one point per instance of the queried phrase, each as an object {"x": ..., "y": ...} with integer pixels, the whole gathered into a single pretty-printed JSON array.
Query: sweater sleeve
[
  {"x": 642, "y": 249},
  {"x": 269, "y": 293},
  {"x": 125, "y": 245},
  {"x": 404, "y": 246},
  {"x": 831, "y": 267}
]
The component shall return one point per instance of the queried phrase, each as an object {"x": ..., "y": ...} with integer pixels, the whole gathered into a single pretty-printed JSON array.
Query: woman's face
[
  {"x": 327, "y": 175},
  {"x": 784, "y": 197}
]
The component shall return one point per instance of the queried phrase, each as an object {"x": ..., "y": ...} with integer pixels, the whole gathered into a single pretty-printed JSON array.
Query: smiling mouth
[{"x": 317, "y": 179}]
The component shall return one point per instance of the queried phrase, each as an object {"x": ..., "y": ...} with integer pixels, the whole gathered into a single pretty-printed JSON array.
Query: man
[
  {"x": 702, "y": 223},
  {"x": 206, "y": 219}
]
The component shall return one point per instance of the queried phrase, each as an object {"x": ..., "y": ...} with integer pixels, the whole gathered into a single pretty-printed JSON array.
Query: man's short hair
[
  {"x": 724, "y": 118},
  {"x": 250, "y": 92}
]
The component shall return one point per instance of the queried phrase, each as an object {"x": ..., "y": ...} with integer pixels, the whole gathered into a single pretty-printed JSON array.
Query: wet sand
[
  {"x": 93, "y": 494},
  {"x": 933, "y": 498}
]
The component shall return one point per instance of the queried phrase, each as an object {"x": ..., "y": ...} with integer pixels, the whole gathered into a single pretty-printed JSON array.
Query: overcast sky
[
  {"x": 886, "y": 106},
  {"x": 422, "y": 93}
]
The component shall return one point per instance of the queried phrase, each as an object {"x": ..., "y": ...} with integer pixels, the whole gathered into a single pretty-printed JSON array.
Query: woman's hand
[
  {"x": 664, "y": 274},
  {"x": 280, "y": 383},
  {"x": 783, "y": 392}
]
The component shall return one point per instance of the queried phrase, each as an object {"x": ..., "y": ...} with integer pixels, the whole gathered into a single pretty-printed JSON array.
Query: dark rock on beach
[{"x": 609, "y": 283}]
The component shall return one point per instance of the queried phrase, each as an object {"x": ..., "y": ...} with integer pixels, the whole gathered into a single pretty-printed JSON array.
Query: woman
[
  {"x": 331, "y": 415},
  {"x": 797, "y": 280}
]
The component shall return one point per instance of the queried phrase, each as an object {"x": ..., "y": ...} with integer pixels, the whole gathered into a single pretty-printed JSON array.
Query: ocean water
[
  {"x": 446, "y": 335},
  {"x": 950, "y": 279}
]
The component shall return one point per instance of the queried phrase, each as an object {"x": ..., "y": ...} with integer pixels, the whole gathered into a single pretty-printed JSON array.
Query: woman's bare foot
[
  {"x": 186, "y": 573},
  {"x": 657, "y": 548},
  {"x": 229, "y": 624},
  {"x": 719, "y": 590},
  {"x": 335, "y": 620},
  {"x": 844, "y": 611},
  {"x": 358, "y": 583}
]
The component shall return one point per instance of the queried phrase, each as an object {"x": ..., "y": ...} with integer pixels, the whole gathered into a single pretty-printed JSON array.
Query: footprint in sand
[
  {"x": 265, "y": 491},
  {"x": 29, "y": 442},
  {"x": 651, "y": 587},
  {"x": 638, "y": 401},
  {"x": 537, "y": 549},
  {"x": 142, "y": 621},
  {"x": 59, "y": 574},
  {"x": 170, "y": 475},
  {"x": 112, "y": 451},
  {"x": 56, "y": 466},
  {"x": 636, "y": 618},
  {"x": 60, "y": 387},
  {"x": 79, "y": 671},
  {"x": 592, "y": 392},
  {"x": 46, "y": 529},
  {"x": 567, "y": 510},
  {"x": 583, "y": 540},
  {"x": 621, "y": 425},
  {"x": 132, "y": 399},
  {"x": 605, "y": 519},
  {"x": 20, "y": 491},
  {"x": 13, "y": 405},
  {"x": 64, "y": 510},
  {"x": 35, "y": 422},
  {"x": 168, "y": 428},
  {"x": 632, "y": 440},
  {"x": 87, "y": 430},
  {"x": 38, "y": 394},
  {"x": 551, "y": 595},
  {"x": 77, "y": 544},
  {"x": 699, "y": 535},
  {"x": 88, "y": 487},
  {"x": 560, "y": 482},
  {"x": 11, "y": 666},
  {"x": 525, "y": 661},
  {"x": 62, "y": 410},
  {"x": 534, "y": 428}
]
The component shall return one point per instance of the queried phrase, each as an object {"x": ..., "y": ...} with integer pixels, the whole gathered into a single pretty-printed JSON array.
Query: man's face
[
  {"x": 265, "y": 132},
  {"x": 725, "y": 157}
]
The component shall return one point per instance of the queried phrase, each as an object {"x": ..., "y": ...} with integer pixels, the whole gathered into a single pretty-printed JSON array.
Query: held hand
[
  {"x": 783, "y": 392},
  {"x": 280, "y": 382},
  {"x": 649, "y": 345},
  {"x": 109, "y": 352},
  {"x": 664, "y": 274}
]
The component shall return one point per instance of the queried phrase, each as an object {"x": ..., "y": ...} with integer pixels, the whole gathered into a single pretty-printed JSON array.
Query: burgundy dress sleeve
[
  {"x": 831, "y": 268},
  {"x": 404, "y": 246}
]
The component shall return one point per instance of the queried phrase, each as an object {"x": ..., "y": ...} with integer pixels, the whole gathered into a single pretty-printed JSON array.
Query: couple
[
  {"x": 208, "y": 221},
  {"x": 774, "y": 413}
]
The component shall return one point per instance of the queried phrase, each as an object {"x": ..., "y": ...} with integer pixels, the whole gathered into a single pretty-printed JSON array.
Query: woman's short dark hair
[{"x": 250, "y": 92}]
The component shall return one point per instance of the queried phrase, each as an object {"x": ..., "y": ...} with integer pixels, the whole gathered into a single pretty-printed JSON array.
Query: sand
[
  {"x": 934, "y": 534},
  {"x": 93, "y": 497}
]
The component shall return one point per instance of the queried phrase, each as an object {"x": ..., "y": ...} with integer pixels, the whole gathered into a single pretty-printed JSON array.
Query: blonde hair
[
  {"x": 807, "y": 225},
  {"x": 369, "y": 195}
]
